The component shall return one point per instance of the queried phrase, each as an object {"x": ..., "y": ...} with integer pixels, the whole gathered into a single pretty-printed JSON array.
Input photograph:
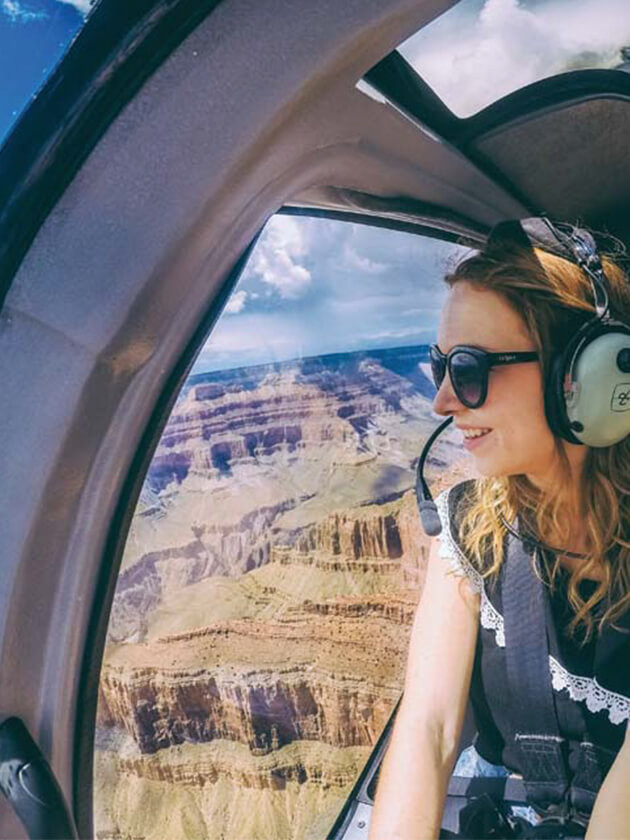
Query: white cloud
[
  {"x": 472, "y": 60},
  {"x": 82, "y": 6},
  {"x": 250, "y": 339},
  {"x": 424, "y": 310},
  {"x": 353, "y": 259},
  {"x": 394, "y": 335},
  {"x": 399, "y": 305},
  {"x": 365, "y": 304},
  {"x": 276, "y": 259},
  {"x": 236, "y": 303},
  {"x": 17, "y": 13}
]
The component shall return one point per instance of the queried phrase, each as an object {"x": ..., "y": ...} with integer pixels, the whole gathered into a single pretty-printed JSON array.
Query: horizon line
[{"x": 289, "y": 360}]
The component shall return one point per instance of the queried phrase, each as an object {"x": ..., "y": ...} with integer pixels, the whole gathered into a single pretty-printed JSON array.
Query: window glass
[
  {"x": 34, "y": 35},
  {"x": 481, "y": 50},
  {"x": 258, "y": 635}
]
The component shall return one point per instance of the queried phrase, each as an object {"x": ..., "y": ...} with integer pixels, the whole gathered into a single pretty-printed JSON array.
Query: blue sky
[
  {"x": 33, "y": 37},
  {"x": 317, "y": 286}
]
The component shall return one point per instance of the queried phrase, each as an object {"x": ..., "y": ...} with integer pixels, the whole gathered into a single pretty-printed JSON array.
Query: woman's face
[{"x": 520, "y": 441}]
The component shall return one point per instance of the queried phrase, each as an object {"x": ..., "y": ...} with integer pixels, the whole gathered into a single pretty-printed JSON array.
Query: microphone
[
  {"x": 430, "y": 518},
  {"x": 426, "y": 506}
]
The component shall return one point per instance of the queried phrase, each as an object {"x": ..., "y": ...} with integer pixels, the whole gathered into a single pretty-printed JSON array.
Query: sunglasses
[{"x": 468, "y": 369}]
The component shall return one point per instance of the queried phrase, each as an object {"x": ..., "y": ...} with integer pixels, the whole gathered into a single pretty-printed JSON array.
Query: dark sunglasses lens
[
  {"x": 467, "y": 375},
  {"x": 438, "y": 366}
]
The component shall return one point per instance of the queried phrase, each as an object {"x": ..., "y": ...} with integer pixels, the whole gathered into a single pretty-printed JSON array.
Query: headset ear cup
[
  {"x": 551, "y": 390},
  {"x": 555, "y": 408}
]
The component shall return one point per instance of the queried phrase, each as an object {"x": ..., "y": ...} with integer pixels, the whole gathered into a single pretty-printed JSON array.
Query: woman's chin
[{"x": 491, "y": 467}]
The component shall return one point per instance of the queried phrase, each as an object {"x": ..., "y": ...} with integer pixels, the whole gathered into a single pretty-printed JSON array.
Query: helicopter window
[
  {"x": 481, "y": 50},
  {"x": 258, "y": 634}
]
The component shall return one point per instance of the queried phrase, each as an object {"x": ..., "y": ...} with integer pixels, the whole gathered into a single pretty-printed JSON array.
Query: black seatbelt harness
[{"x": 542, "y": 751}]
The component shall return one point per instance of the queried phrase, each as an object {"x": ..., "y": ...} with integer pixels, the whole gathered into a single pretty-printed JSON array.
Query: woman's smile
[{"x": 477, "y": 440}]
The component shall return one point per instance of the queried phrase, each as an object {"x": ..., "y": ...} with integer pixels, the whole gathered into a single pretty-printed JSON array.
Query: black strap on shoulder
[{"x": 541, "y": 749}]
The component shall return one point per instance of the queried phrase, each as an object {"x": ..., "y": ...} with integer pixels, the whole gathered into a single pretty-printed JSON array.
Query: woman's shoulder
[
  {"x": 450, "y": 505},
  {"x": 452, "y": 501},
  {"x": 457, "y": 492}
]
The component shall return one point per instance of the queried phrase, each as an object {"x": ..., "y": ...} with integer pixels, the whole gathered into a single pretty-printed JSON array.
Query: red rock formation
[
  {"x": 261, "y": 710},
  {"x": 322, "y": 675},
  {"x": 322, "y": 671},
  {"x": 253, "y": 413},
  {"x": 373, "y": 539}
]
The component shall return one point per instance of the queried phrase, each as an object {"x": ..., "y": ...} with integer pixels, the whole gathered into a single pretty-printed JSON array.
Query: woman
[{"x": 513, "y": 298}]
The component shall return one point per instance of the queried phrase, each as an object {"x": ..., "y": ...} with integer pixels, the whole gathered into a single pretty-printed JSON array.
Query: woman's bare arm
[{"x": 414, "y": 775}]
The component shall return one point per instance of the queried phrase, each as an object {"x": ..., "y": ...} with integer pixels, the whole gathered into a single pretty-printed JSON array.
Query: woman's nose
[{"x": 446, "y": 401}]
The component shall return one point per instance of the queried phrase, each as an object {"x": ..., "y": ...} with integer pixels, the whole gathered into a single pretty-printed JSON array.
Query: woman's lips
[{"x": 473, "y": 443}]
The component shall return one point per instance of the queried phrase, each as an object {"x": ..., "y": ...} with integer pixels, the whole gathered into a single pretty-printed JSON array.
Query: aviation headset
[{"x": 587, "y": 393}]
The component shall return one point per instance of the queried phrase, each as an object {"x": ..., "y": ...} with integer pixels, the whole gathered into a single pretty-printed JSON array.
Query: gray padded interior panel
[{"x": 542, "y": 154}]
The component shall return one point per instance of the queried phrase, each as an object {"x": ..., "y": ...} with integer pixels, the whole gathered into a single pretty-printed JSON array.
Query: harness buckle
[{"x": 561, "y": 820}]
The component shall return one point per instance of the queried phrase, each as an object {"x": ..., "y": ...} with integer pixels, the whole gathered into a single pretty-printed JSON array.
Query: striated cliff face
[
  {"x": 265, "y": 713},
  {"x": 232, "y": 680},
  {"x": 383, "y": 540},
  {"x": 254, "y": 413},
  {"x": 300, "y": 763},
  {"x": 388, "y": 534},
  {"x": 259, "y": 630},
  {"x": 212, "y": 431},
  {"x": 380, "y": 539},
  {"x": 142, "y": 586},
  {"x": 354, "y": 537},
  {"x": 220, "y": 790},
  {"x": 393, "y": 609},
  {"x": 237, "y": 685}
]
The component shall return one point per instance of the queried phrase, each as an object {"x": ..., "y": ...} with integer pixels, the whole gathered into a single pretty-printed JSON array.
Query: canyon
[{"x": 258, "y": 635}]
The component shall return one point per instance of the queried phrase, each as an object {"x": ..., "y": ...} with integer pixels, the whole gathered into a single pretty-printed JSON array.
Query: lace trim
[
  {"x": 450, "y": 550},
  {"x": 581, "y": 689},
  {"x": 588, "y": 690},
  {"x": 489, "y": 617}
]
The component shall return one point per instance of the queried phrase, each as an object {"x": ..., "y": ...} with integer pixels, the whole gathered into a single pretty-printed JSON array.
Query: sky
[
  {"x": 481, "y": 50},
  {"x": 33, "y": 37},
  {"x": 315, "y": 286}
]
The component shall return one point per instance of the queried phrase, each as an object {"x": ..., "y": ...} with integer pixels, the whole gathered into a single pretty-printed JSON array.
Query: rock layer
[
  {"x": 204, "y": 685},
  {"x": 262, "y": 615},
  {"x": 227, "y": 417},
  {"x": 220, "y": 791}
]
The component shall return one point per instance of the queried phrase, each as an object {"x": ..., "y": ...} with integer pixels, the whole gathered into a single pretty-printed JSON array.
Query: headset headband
[
  {"x": 573, "y": 243},
  {"x": 587, "y": 387}
]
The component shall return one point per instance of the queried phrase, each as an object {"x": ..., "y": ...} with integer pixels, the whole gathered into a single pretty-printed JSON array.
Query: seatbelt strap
[{"x": 528, "y": 622}]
